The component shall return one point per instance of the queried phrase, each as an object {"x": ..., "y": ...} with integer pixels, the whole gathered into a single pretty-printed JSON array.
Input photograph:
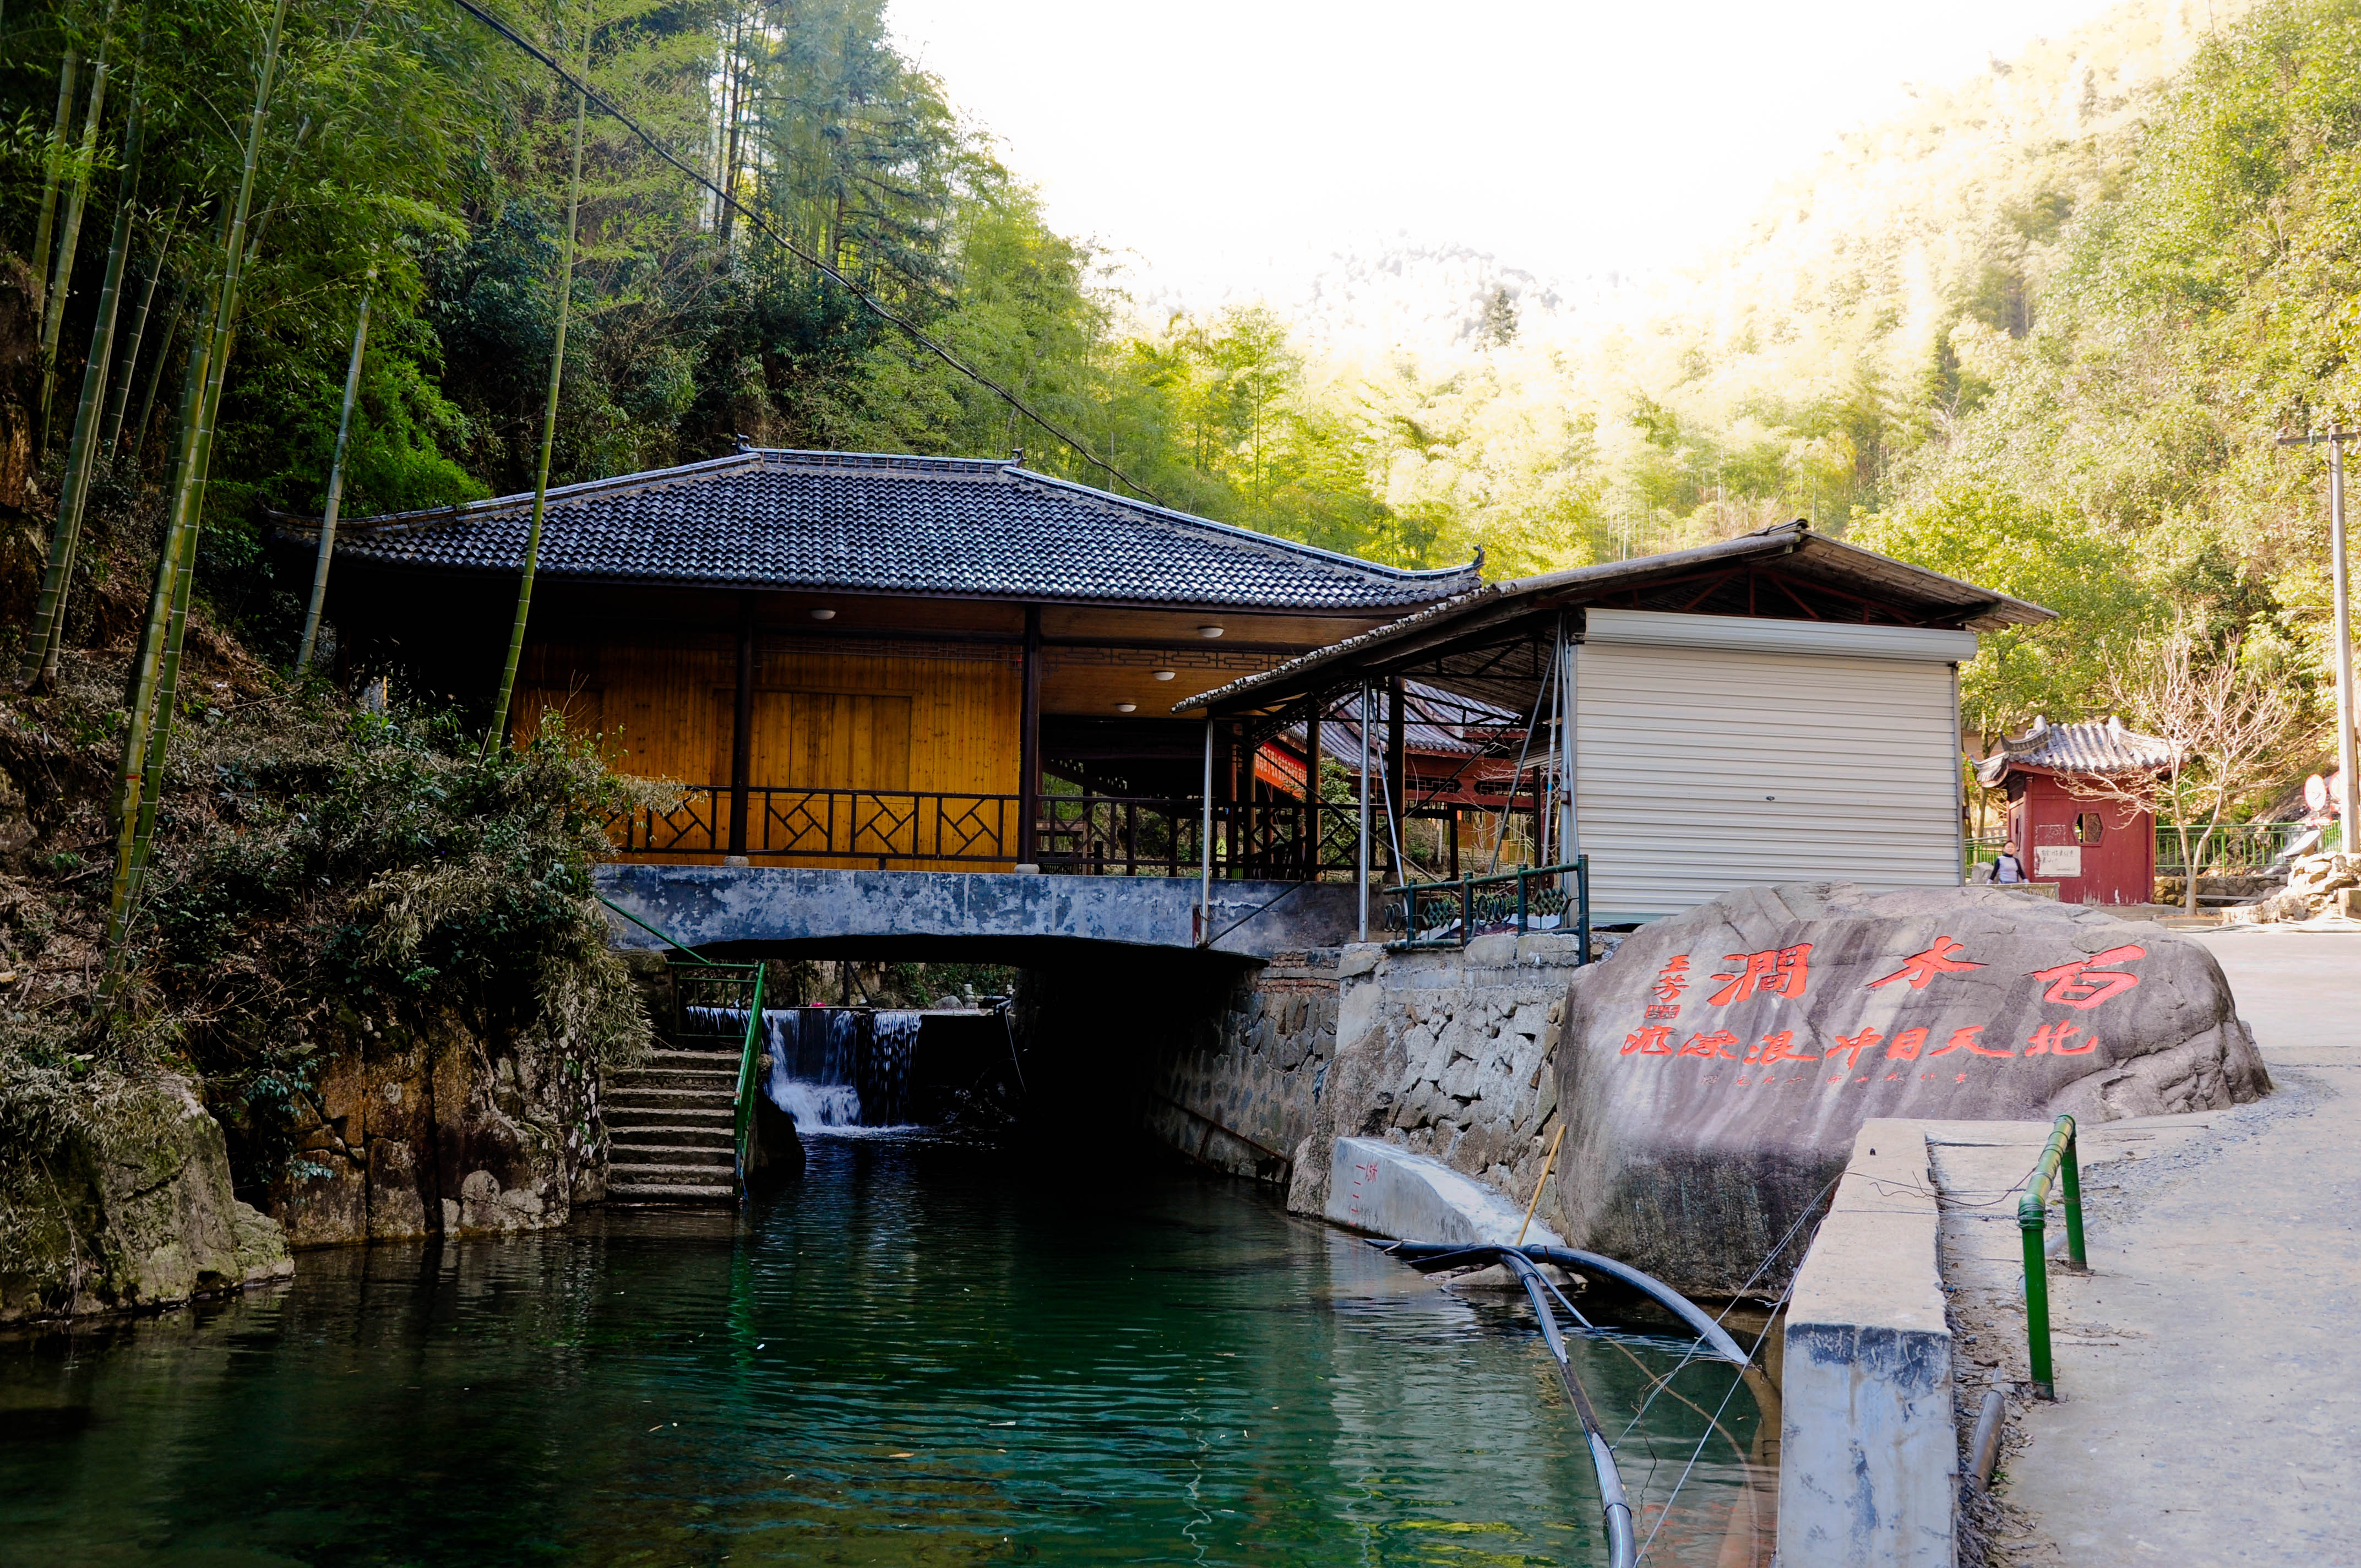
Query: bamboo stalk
[
  {"x": 45, "y": 228},
  {"x": 1543, "y": 1180},
  {"x": 494, "y": 735},
  {"x": 141, "y": 697},
  {"x": 143, "y": 754},
  {"x": 335, "y": 489},
  {"x": 118, "y": 387},
  {"x": 139, "y": 427},
  {"x": 46, "y": 637},
  {"x": 53, "y": 305}
]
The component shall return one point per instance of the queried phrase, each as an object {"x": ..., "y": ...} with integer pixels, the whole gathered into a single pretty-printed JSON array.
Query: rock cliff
[{"x": 130, "y": 1207}]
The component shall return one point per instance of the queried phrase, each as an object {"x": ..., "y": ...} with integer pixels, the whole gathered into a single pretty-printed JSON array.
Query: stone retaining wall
[{"x": 1443, "y": 1053}]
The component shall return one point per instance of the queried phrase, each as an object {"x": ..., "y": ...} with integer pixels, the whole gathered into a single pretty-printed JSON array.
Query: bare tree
[{"x": 2229, "y": 722}]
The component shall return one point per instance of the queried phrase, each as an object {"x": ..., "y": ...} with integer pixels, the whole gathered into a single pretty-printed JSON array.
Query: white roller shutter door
[{"x": 1715, "y": 764}]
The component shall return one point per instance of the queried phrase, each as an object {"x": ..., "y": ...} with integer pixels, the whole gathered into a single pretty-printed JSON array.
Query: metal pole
[
  {"x": 2069, "y": 1172},
  {"x": 1362, "y": 716},
  {"x": 1569, "y": 842},
  {"x": 2036, "y": 1304},
  {"x": 2348, "y": 792},
  {"x": 2348, "y": 787}
]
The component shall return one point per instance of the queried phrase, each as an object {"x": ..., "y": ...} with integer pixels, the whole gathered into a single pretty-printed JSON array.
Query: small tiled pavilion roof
[
  {"x": 2093, "y": 747},
  {"x": 861, "y": 522}
]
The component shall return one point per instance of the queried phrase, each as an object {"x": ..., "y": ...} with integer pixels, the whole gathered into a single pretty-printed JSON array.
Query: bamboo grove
[{"x": 334, "y": 258}]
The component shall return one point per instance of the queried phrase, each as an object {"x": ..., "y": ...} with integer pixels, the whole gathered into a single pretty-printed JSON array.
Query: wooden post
[
  {"x": 741, "y": 732},
  {"x": 1028, "y": 747}
]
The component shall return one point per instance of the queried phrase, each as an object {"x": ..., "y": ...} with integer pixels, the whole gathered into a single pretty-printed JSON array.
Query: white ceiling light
[
  {"x": 1126, "y": 708},
  {"x": 1165, "y": 674},
  {"x": 823, "y": 614},
  {"x": 1209, "y": 631}
]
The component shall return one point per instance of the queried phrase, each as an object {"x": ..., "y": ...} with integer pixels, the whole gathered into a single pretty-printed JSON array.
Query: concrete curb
[{"x": 1868, "y": 1450}]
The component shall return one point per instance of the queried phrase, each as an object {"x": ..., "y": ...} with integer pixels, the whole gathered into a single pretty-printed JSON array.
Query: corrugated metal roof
[
  {"x": 2094, "y": 746},
  {"x": 1435, "y": 722},
  {"x": 892, "y": 524}
]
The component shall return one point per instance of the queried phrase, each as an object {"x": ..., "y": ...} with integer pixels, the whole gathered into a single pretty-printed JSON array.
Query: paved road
[{"x": 2211, "y": 1391}]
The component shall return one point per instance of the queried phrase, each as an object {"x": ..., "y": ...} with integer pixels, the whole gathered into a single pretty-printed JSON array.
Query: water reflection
[{"x": 924, "y": 1352}]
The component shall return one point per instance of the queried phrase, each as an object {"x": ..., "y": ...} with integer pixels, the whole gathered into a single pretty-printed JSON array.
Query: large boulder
[
  {"x": 1716, "y": 1068},
  {"x": 128, "y": 1207}
]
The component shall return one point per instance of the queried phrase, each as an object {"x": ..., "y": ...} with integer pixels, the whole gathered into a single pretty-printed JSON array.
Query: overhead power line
[{"x": 762, "y": 225}]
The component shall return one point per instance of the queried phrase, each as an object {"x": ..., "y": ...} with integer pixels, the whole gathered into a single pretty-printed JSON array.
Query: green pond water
[{"x": 925, "y": 1352}]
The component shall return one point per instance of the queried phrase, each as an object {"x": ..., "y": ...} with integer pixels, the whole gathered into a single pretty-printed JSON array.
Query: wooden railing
[{"x": 1093, "y": 833}]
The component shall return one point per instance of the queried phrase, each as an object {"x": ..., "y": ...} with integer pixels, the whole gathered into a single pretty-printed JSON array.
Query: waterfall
[
  {"x": 840, "y": 1067},
  {"x": 885, "y": 1069}
]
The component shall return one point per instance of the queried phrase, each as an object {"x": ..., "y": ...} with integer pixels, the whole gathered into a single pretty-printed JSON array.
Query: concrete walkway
[{"x": 2209, "y": 1368}]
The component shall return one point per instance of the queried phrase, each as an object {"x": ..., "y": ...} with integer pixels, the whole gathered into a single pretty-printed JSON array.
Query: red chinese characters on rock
[
  {"x": 2051, "y": 1040},
  {"x": 2086, "y": 982},
  {"x": 1850, "y": 1047},
  {"x": 2082, "y": 983},
  {"x": 1656, "y": 1040},
  {"x": 1779, "y": 1048},
  {"x": 1919, "y": 968},
  {"x": 1776, "y": 971},
  {"x": 1671, "y": 980}
]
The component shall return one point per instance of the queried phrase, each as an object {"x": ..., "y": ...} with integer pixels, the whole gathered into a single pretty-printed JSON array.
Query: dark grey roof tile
[{"x": 887, "y": 524}]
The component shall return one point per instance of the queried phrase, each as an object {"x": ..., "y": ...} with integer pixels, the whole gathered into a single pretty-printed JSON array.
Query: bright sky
[{"x": 1228, "y": 141}]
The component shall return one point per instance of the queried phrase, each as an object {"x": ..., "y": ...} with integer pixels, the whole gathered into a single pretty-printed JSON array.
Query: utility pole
[{"x": 2348, "y": 786}]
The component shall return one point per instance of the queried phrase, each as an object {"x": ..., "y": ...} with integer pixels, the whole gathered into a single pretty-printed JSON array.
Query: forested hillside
[{"x": 2040, "y": 332}]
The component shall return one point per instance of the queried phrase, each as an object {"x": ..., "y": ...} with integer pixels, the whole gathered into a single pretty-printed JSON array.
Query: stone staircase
[{"x": 669, "y": 1122}]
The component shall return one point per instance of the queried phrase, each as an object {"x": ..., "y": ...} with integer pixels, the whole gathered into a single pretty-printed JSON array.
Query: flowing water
[
  {"x": 924, "y": 1351},
  {"x": 836, "y": 1067}
]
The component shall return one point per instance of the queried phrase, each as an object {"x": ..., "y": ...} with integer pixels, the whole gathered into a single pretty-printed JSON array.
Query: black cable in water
[{"x": 1011, "y": 1031}]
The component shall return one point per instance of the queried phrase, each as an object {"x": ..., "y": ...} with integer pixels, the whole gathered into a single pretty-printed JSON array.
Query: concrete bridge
[{"x": 980, "y": 916}]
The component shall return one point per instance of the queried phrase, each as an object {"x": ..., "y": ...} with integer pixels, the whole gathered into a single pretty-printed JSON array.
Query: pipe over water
[{"x": 1451, "y": 1254}]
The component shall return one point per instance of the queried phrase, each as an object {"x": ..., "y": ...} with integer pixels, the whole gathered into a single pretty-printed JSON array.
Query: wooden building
[
  {"x": 856, "y": 660},
  {"x": 2064, "y": 824}
]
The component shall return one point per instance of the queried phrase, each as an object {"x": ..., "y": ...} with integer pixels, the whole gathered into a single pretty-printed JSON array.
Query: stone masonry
[
  {"x": 1450, "y": 1053},
  {"x": 1445, "y": 1053}
]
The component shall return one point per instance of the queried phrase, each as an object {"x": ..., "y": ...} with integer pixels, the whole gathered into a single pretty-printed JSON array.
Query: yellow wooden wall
[{"x": 821, "y": 719}]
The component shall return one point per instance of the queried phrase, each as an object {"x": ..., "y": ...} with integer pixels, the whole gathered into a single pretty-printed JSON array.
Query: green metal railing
[
  {"x": 707, "y": 1000},
  {"x": 1448, "y": 914},
  {"x": 2057, "y": 1163}
]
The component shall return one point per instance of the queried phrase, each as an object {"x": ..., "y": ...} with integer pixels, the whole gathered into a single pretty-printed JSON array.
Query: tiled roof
[
  {"x": 2094, "y": 747},
  {"x": 883, "y": 524}
]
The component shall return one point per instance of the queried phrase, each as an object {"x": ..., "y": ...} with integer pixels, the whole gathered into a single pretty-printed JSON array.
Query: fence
[
  {"x": 2057, "y": 1162},
  {"x": 1098, "y": 834},
  {"x": 2234, "y": 849},
  {"x": 720, "y": 1007},
  {"x": 1450, "y": 914}
]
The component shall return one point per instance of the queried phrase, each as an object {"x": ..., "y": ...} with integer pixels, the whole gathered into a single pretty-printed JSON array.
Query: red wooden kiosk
[{"x": 2062, "y": 822}]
